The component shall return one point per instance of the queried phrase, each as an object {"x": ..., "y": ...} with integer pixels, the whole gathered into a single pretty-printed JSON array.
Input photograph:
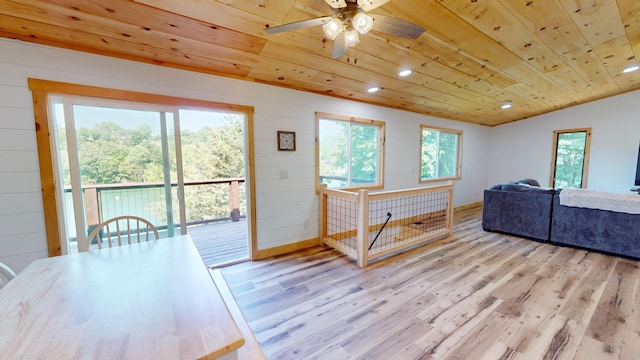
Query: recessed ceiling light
[
  {"x": 631, "y": 68},
  {"x": 373, "y": 89},
  {"x": 506, "y": 105},
  {"x": 404, "y": 73}
]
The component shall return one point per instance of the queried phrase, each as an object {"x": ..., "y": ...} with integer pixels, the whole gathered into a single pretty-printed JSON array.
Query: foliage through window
[
  {"x": 350, "y": 151},
  {"x": 570, "y": 158},
  {"x": 440, "y": 153}
]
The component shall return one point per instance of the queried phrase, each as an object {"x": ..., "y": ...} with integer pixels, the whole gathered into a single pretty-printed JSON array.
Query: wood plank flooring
[
  {"x": 474, "y": 295},
  {"x": 221, "y": 243}
]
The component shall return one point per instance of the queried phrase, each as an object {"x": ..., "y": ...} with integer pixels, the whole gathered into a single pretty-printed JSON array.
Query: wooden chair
[
  {"x": 128, "y": 229},
  {"x": 6, "y": 274}
]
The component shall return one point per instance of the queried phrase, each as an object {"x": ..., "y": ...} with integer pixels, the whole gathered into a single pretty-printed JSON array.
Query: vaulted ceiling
[{"x": 541, "y": 55}]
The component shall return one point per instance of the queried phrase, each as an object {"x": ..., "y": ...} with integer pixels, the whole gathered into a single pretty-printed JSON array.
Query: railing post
[
  {"x": 234, "y": 200},
  {"x": 363, "y": 228},
  {"x": 91, "y": 208},
  {"x": 450, "y": 209},
  {"x": 323, "y": 213}
]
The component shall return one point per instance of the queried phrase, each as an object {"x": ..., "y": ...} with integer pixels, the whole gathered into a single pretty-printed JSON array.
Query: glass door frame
[
  {"x": 42, "y": 89},
  {"x": 68, "y": 102}
]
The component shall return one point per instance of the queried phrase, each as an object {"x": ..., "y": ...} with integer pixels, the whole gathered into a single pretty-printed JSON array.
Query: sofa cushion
[
  {"x": 527, "y": 188},
  {"x": 527, "y": 181}
]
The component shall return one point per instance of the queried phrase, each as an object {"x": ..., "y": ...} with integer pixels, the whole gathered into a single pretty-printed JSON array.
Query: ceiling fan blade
[
  {"x": 339, "y": 46},
  {"x": 298, "y": 25},
  {"x": 397, "y": 27},
  {"x": 336, "y": 4},
  {"x": 368, "y": 5}
]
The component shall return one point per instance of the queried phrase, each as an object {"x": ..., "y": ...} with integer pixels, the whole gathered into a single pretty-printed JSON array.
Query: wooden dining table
[{"x": 152, "y": 300}]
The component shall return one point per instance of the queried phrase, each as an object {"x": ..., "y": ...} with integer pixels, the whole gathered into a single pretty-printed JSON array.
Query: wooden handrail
[{"x": 93, "y": 199}]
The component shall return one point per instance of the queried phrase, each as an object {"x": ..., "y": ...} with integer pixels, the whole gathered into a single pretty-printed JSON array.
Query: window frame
[
  {"x": 381, "y": 148},
  {"x": 585, "y": 161},
  {"x": 458, "y": 173}
]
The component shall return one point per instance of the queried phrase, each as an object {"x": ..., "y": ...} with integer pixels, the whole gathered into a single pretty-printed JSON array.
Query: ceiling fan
[{"x": 349, "y": 20}]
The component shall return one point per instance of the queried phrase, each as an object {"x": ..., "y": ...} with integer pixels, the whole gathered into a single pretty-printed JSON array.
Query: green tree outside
[
  {"x": 439, "y": 154},
  {"x": 570, "y": 152},
  {"x": 111, "y": 154}
]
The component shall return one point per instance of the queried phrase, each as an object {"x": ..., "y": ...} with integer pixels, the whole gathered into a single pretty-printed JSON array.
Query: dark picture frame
[{"x": 286, "y": 140}]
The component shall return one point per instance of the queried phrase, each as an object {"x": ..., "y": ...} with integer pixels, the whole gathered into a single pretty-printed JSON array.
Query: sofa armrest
[{"x": 522, "y": 213}]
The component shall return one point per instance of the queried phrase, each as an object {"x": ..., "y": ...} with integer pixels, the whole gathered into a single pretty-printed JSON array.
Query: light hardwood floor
[{"x": 475, "y": 295}]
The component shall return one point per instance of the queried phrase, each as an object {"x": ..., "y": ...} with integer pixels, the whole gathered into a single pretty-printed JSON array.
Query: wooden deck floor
[
  {"x": 221, "y": 243},
  {"x": 473, "y": 295}
]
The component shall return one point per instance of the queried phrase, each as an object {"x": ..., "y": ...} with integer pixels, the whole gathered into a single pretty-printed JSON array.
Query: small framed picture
[{"x": 286, "y": 141}]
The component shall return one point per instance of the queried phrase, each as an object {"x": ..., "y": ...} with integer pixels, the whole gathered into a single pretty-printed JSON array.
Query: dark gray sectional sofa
[
  {"x": 518, "y": 209},
  {"x": 611, "y": 232},
  {"x": 535, "y": 213}
]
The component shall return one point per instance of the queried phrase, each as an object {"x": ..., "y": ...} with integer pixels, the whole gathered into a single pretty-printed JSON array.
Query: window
[
  {"x": 350, "y": 151},
  {"x": 440, "y": 153},
  {"x": 570, "y": 158}
]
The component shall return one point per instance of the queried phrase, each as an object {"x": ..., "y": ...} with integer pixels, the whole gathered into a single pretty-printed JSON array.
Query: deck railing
[
  {"x": 368, "y": 226},
  {"x": 206, "y": 201}
]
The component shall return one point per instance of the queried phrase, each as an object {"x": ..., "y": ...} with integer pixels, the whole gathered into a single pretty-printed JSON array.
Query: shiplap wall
[{"x": 287, "y": 209}]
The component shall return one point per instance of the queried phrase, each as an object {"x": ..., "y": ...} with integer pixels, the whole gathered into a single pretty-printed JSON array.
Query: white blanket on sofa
[{"x": 627, "y": 203}]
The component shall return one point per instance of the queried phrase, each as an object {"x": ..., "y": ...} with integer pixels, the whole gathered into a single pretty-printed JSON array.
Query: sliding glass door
[
  {"x": 181, "y": 168},
  {"x": 212, "y": 149},
  {"x": 116, "y": 158}
]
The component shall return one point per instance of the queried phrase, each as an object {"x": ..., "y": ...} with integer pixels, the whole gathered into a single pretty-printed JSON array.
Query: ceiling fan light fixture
[
  {"x": 332, "y": 28},
  {"x": 351, "y": 38},
  {"x": 362, "y": 23},
  {"x": 631, "y": 69}
]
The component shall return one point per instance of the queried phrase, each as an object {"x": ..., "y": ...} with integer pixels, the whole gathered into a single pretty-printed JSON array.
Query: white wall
[
  {"x": 287, "y": 209},
  {"x": 523, "y": 149}
]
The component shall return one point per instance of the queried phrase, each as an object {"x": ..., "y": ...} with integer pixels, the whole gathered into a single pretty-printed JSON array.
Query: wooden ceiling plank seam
[
  {"x": 126, "y": 11},
  {"x": 437, "y": 72},
  {"x": 345, "y": 85},
  {"x": 346, "y": 94},
  {"x": 276, "y": 11},
  {"x": 355, "y": 73},
  {"x": 594, "y": 20},
  {"x": 75, "y": 40},
  {"x": 372, "y": 62},
  {"x": 630, "y": 13},
  {"x": 555, "y": 28},
  {"x": 213, "y": 12},
  {"x": 463, "y": 110},
  {"x": 496, "y": 21},
  {"x": 488, "y": 64},
  {"x": 448, "y": 26},
  {"x": 102, "y": 27}
]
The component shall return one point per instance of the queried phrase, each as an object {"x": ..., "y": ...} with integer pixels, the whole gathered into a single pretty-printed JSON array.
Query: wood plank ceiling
[{"x": 542, "y": 55}]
